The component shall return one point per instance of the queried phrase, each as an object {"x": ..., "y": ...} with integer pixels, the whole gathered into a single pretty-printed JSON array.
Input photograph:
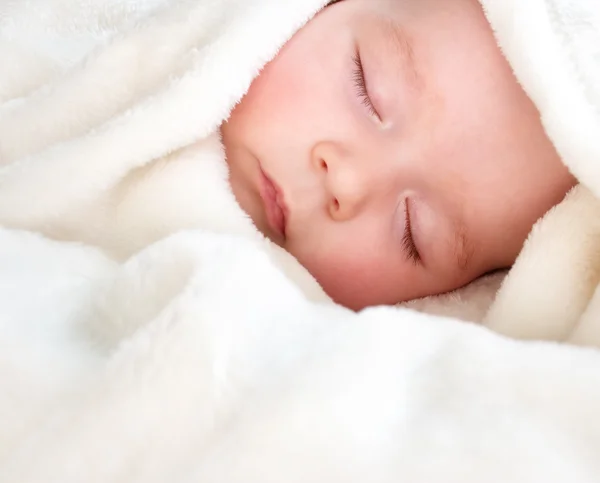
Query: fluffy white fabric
[
  {"x": 149, "y": 333},
  {"x": 554, "y": 48}
]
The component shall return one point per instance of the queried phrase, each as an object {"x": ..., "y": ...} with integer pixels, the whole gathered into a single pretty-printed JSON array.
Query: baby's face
[{"x": 404, "y": 159}]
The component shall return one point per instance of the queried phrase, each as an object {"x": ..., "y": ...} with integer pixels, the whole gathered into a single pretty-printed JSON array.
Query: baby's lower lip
[{"x": 274, "y": 205}]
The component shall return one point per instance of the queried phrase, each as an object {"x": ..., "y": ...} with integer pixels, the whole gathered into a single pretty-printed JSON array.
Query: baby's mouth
[{"x": 275, "y": 207}]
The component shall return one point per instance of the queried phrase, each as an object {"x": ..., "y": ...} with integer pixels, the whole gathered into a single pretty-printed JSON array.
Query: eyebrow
[
  {"x": 463, "y": 248},
  {"x": 400, "y": 42}
]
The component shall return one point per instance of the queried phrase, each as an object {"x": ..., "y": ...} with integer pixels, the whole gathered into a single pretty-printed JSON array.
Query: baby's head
[{"x": 390, "y": 149}]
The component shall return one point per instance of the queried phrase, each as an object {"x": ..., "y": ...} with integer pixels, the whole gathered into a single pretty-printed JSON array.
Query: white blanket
[
  {"x": 553, "y": 291},
  {"x": 132, "y": 351}
]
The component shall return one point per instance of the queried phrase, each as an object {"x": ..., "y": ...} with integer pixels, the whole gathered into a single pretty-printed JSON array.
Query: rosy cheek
[{"x": 355, "y": 284}]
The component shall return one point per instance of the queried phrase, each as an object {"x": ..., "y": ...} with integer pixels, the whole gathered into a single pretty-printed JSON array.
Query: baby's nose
[{"x": 345, "y": 181}]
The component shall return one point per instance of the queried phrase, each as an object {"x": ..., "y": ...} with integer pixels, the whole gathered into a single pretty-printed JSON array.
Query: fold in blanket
[
  {"x": 144, "y": 338},
  {"x": 552, "y": 292},
  {"x": 152, "y": 81}
]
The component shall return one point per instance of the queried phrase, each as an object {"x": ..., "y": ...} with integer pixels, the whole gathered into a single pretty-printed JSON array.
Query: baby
[
  {"x": 388, "y": 145},
  {"x": 391, "y": 150}
]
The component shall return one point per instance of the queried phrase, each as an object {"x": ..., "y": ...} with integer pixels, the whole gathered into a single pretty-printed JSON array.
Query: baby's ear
[{"x": 546, "y": 292}]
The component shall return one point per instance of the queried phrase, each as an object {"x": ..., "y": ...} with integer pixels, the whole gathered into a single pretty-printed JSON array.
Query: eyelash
[
  {"x": 358, "y": 77},
  {"x": 408, "y": 242}
]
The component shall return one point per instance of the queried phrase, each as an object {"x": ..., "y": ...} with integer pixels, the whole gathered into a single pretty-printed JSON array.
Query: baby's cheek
[
  {"x": 356, "y": 282},
  {"x": 283, "y": 81}
]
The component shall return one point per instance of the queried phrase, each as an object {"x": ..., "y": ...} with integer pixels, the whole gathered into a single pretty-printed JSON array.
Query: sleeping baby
[
  {"x": 391, "y": 150},
  {"x": 387, "y": 146},
  {"x": 176, "y": 174}
]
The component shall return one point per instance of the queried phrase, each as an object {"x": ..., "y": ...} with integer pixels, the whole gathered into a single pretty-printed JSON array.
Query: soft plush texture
[
  {"x": 148, "y": 333},
  {"x": 554, "y": 48}
]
